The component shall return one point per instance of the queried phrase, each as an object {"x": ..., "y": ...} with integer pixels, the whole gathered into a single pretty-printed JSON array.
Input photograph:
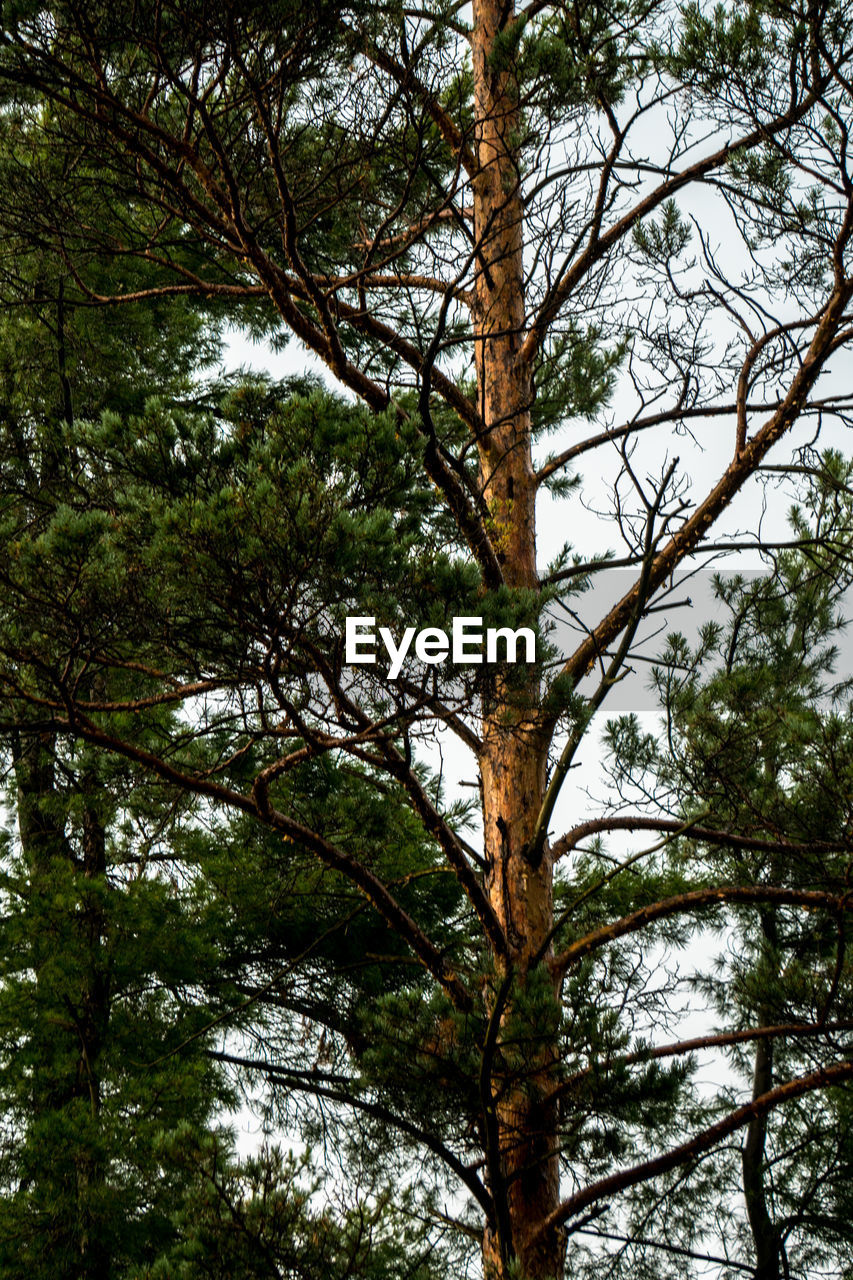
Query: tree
[
  {"x": 757, "y": 737},
  {"x": 122, "y": 956},
  {"x": 102, "y": 1051},
  {"x": 474, "y": 220}
]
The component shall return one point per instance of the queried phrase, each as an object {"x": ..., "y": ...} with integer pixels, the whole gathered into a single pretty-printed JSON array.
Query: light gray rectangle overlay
[{"x": 685, "y": 604}]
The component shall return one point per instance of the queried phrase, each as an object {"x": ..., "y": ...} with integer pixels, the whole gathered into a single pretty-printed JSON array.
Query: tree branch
[
  {"x": 823, "y": 1078},
  {"x": 693, "y": 900}
]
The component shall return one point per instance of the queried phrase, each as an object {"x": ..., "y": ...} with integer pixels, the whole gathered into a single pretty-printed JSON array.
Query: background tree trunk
[{"x": 765, "y": 1236}]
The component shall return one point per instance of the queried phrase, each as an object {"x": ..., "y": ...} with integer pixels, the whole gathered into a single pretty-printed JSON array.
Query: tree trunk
[
  {"x": 524, "y": 1167},
  {"x": 76, "y": 1022},
  {"x": 765, "y": 1236}
]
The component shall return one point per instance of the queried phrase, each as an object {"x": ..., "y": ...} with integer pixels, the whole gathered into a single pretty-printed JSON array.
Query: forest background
[{"x": 586, "y": 263}]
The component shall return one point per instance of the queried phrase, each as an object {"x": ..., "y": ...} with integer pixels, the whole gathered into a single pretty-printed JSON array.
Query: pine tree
[
  {"x": 101, "y": 1053},
  {"x": 473, "y": 219},
  {"x": 758, "y": 739}
]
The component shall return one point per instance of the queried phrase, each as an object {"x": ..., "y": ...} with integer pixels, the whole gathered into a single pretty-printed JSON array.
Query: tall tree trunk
[
  {"x": 524, "y": 1169},
  {"x": 74, "y": 1030},
  {"x": 66, "y": 1079},
  {"x": 765, "y": 1236},
  {"x": 93, "y": 1019}
]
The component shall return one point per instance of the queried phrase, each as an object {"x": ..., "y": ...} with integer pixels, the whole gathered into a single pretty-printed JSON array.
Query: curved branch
[
  {"x": 599, "y": 246},
  {"x": 304, "y": 1082},
  {"x": 696, "y": 899},
  {"x": 823, "y": 1078},
  {"x": 707, "y": 834},
  {"x": 736, "y": 474},
  {"x": 337, "y": 859},
  {"x": 718, "y": 1040}
]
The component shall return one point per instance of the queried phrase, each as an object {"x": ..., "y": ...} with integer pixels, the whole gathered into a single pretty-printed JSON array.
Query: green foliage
[
  {"x": 568, "y": 58},
  {"x": 664, "y": 238},
  {"x": 729, "y": 45},
  {"x": 757, "y": 742},
  {"x": 261, "y": 1218},
  {"x": 576, "y": 377},
  {"x": 249, "y": 868},
  {"x": 190, "y": 541},
  {"x": 101, "y": 1040}
]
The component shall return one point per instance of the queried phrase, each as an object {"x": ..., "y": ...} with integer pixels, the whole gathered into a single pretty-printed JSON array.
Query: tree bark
[
  {"x": 525, "y": 1169},
  {"x": 765, "y": 1236}
]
